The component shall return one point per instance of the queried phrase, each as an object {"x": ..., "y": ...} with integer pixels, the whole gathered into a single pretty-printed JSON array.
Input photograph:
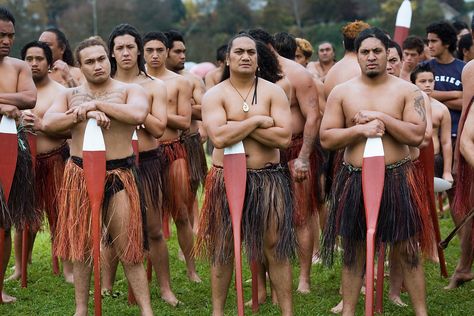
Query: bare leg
[
  {"x": 82, "y": 275},
  {"x": 305, "y": 240},
  {"x": 221, "y": 276},
  {"x": 117, "y": 218},
  {"x": 279, "y": 271},
  {"x": 352, "y": 279},
  {"x": 109, "y": 269},
  {"x": 396, "y": 280},
  {"x": 316, "y": 236},
  {"x": 17, "y": 244},
  {"x": 463, "y": 271},
  {"x": 67, "y": 271},
  {"x": 159, "y": 256},
  {"x": 195, "y": 216},
  {"x": 183, "y": 225},
  {"x": 262, "y": 288},
  {"x": 6, "y": 257},
  {"x": 414, "y": 280}
]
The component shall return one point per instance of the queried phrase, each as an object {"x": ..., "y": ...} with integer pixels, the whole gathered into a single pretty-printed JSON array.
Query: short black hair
[
  {"x": 46, "y": 50},
  {"x": 221, "y": 52},
  {"x": 6, "y": 15},
  {"x": 373, "y": 32},
  {"x": 414, "y": 42},
  {"x": 446, "y": 32},
  {"x": 156, "y": 36},
  {"x": 174, "y": 36},
  {"x": 67, "y": 57},
  {"x": 423, "y": 67},
  {"x": 459, "y": 26},
  {"x": 263, "y": 36},
  {"x": 285, "y": 45},
  {"x": 126, "y": 29},
  {"x": 393, "y": 44},
  {"x": 465, "y": 42}
]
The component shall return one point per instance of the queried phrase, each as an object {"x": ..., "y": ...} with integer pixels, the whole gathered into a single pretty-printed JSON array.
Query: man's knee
[{"x": 155, "y": 234}]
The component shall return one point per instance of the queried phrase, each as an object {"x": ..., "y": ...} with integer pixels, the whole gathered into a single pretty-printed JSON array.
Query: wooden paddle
[
  {"x": 8, "y": 144},
  {"x": 235, "y": 180},
  {"x": 427, "y": 159},
  {"x": 93, "y": 154},
  {"x": 373, "y": 177},
  {"x": 403, "y": 22}
]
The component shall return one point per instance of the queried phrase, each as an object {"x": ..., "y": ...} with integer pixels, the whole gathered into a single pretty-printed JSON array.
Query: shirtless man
[
  {"x": 423, "y": 77},
  {"x": 51, "y": 149},
  {"x": 355, "y": 111},
  {"x": 326, "y": 59},
  {"x": 195, "y": 135},
  {"x": 177, "y": 199},
  {"x": 118, "y": 108},
  {"x": 63, "y": 69},
  {"x": 394, "y": 62},
  {"x": 128, "y": 65},
  {"x": 264, "y": 129},
  {"x": 214, "y": 76},
  {"x": 413, "y": 48},
  {"x": 303, "y": 162},
  {"x": 17, "y": 92}
]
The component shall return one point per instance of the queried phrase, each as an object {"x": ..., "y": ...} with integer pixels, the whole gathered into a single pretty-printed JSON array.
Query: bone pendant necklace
[{"x": 245, "y": 105}]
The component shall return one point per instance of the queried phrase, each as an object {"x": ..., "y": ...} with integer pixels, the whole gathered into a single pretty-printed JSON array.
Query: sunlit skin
[
  {"x": 325, "y": 53},
  {"x": 176, "y": 57},
  {"x": 7, "y": 35},
  {"x": 411, "y": 58},
  {"x": 51, "y": 39},
  {"x": 300, "y": 58},
  {"x": 436, "y": 47},
  {"x": 394, "y": 64}
]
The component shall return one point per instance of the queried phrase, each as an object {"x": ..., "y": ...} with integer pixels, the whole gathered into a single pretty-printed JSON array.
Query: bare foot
[
  {"x": 69, "y": 278},
  {"x": 396, "y": 299},
  {"x": 338, "y": 308},
  {"x": 459, "y": 279},
  {"x": 194, "y": 277},
  {"x": 170, "y": 299},
  {"x": 7, "y": 298},
  {"x": 261, "y": 300},
  {"x": 15, "y": 276},
  {"x": 304, "y": 287}
]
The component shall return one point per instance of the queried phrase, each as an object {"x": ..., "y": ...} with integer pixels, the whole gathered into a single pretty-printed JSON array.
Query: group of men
[{"x": 289, "y": 116}]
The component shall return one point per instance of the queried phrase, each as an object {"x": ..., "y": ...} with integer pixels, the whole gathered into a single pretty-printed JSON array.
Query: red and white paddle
[
  {"x": 235, "y": 180},
  {"x": 93, "y": 154},
  {"x": 8, "y": 144},
  {"x": 403, "y": 22},
  {"x": 373, "y": 177}
]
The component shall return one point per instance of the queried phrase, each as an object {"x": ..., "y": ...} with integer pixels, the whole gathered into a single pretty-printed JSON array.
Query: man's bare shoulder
[
  {"x": 438, "y": 106},
  {"x": 55, "y": 87},
  {"x": 15, "y": 62}
]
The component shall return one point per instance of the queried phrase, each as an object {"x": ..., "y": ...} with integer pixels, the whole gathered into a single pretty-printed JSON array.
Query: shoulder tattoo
[{"x": 419, "y": 104}]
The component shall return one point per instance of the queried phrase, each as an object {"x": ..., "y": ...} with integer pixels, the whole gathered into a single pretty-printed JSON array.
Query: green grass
[{"x": 49, "y": 295}]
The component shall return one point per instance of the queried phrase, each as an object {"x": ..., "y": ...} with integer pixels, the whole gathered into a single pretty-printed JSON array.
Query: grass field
[{"x": 49, "y": 295}]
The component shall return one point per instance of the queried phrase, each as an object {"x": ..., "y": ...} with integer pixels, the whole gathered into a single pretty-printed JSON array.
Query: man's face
[
  {"x": 51, "y": 39},
  {"x": 425, "y": 81},
  {"x": 325, "y": 53},
  {"x": 436, "y": 45},
  {"x": 176, "y": 56},
  {"x": 38, "y": 63},
  {"x": 125, "y": 51},
  {"x": 300, "y": 58},
  {"x": 243, "y": 56},
  {"x": 463, "y": 32},
  {"x": 95, "y": 64},
  {"x": 411, "y": 58},
  {"x": 7, "y": 35},
  {"x": 372, "y": 57},
  {"x": 394, "y": 64},
  {"x": 155, "y": 53}
]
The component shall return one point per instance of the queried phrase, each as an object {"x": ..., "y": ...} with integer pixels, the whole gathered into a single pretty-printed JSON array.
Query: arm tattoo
[{"x": 419, "y": 104}]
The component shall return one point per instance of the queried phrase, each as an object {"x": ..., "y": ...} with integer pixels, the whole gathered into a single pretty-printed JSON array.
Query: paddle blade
[
  {"x": 8, "y": 144},
  {"x": 403, "y": 22},
  {"x": 235, "y": 179},
  {"x": 135, "y": 145},
  {"x": 441, "y": 185}
]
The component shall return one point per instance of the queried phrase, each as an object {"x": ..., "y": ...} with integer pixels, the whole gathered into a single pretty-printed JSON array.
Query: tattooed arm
[{"x": 410, "y": 130}]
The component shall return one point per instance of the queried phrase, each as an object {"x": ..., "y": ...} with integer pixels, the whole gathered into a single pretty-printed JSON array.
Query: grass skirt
[
  {"x": 403, "y": 215},
  {"x": 21, "y": 209},
  {"x": 304, "y": 207},
  {"x": 74, "y": 234},
  {"x": 149, "y": 170},
  {"x": 268, "y": 200},
  {"x": 49, "y": 175},
  {"x": 196, "y": 159}
]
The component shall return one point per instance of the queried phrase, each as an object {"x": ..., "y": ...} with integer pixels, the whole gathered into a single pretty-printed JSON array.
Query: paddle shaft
[{"x": 444, "y": 243}]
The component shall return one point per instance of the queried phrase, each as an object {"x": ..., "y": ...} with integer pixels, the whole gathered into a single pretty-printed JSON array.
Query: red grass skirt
[
  {"x": 49, "y": 175},
  {"x": 74, "y": 235},
  {"x": 268, "y": 199},
  {"x": 21, "y": 209},
  {"x": 306, "y": 194},
  {"x": 176, "y": 181},
  {"x": 402, "y": 217},
  {"x": 196, "y": 159}
]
